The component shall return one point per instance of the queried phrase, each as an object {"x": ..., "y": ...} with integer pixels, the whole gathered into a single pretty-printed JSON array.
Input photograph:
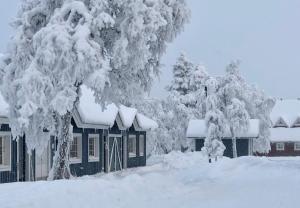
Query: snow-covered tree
[
  {"x": 238, "y": 120},
  {"x": 182, "y": 72},
  {"x": 112, "y": 46},
  {"x": 215, "y": 122}
]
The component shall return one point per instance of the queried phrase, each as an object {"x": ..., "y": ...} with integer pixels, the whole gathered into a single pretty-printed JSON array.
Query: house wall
[
  {"x": 241, "y": 144},
  {"x": 288, "y": 150},
  {"x": 138, "y": 160},
  {"x": 87, "y": 167},
  {"x": 11, "y": 175}
]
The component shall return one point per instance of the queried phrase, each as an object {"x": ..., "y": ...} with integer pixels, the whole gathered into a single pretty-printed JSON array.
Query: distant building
[
  {"x": 285, "y": 131},
  {"x": 197, "y": 131}
]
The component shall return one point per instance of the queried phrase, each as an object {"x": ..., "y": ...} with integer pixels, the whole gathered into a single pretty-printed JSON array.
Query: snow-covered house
[
  {"x": 104, "y": 140},
  {"x": 197, "y": 131},
  {"x": 285, "y": 131}
]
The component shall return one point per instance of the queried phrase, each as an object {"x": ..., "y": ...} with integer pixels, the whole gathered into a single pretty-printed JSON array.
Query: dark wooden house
[
  {"x": 197, "y": 132},
  {"x": 103, "y": 141}
]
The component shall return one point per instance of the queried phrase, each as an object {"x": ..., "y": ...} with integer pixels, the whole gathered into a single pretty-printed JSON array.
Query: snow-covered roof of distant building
[
  {"x": 285, "y": 134},
  {"x": 286, "y": 111},
  {"x": 197, "y": 129}
]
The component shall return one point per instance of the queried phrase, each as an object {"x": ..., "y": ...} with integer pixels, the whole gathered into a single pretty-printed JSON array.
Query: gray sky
[{"x": 264, "y": 35}]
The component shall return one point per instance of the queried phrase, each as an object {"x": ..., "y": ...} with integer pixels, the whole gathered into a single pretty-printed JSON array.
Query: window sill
[
  {"x": 75, "y": 161},
  {"x": 93, "y": 159},
  {"x": 131, "y": 155},
  {"x": 4, "y": 168}
]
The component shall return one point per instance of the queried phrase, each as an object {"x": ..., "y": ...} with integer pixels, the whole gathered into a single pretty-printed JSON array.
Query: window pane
[
  {"x": 132, "y": 146},
  {"x": 74, "y": 148},
  {"x": 297, "y": 146},
  {"x": 1, "y": 151},
  {"x": 92, "y": 146},
  {"x": 141, "y": 144}
]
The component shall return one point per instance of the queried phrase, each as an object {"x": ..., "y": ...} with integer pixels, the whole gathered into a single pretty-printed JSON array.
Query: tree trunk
[
  {"x": 234, "y": 151},
  {"x": 60, "y": 168}
]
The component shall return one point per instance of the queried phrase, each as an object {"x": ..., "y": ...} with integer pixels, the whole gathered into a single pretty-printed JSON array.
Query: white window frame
[
  {"x": 6, "y": 167},
  {"x": 295, "y": 146},
  {"x": 278, "y": 148},
  {"x": 75, "y": 160},
  {"x": 142, "y": 138},
  {"x": 96, "y": 157},
  {"x": 132, "y": 154}
]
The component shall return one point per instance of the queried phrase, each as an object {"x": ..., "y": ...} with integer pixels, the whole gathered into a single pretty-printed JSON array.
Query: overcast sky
[{"x": 264, "y": 35}]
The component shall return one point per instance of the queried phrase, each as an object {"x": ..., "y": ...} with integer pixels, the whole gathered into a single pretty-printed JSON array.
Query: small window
[
  {"x": 142, "y": 145},
  {"x": 297, "y": 146},
  {"x": 93, "y": 147},
  {"x": 279, "y": 146},
  {"x": 132, "y": 145},
  {"x": 5, "y": 151},
  {"x": 75, "y": 149}
]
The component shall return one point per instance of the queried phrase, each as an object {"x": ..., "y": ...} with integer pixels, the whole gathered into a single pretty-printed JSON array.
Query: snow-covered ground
[{"x": 174, "y": 180}]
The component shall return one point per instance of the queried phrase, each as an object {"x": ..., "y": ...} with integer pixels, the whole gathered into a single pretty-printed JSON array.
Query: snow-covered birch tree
[
  {"x": 238, "y": 121},
  {"x": 112, "y": 46},
  {"x": 215, "y": 122}
]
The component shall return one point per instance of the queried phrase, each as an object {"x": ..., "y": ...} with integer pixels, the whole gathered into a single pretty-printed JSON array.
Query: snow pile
[
  {"x": 285, "y": 134},
  {"x": 145, "y": 122},
  {"x": 92, "y": 113},
  {"x": 288, "y": 110},
  {"x": 174, "y": 180},
  {"x": 127, "y": 115},
  {"x": 197, "y": 129}
]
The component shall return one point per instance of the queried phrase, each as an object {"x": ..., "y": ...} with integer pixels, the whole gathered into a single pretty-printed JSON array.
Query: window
[
  {"x": 93, "y": 147},
  {"x": 142, "y": 145},
  {"x": 5, "y": 151},
  {"x": 280, "y": 146},
  {"x": 297, "y": 146},
  {"x": 132, "y": 145},
  {"x": 75, "y": 149}
]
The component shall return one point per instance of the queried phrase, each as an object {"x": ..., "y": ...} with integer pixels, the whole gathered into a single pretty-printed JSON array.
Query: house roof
[
  {"x": 89, "y": 114},
  {"x": 197, "y": 129},
  {"x": 286, "y": 110},
  {"x": 285, "y": 134}
]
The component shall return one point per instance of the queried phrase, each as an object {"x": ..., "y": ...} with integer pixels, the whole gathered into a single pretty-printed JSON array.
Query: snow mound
[
  {"x": 145, "y": 122},
  {"x": 197, "y": 129},
  {"x": 92, "y": 113},
  {"x": 127, "y": 115}
]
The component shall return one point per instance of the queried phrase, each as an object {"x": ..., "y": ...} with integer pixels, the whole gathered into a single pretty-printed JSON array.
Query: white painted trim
[
  {"x": 280, "y": 149},
  {"x": 295, "y": 144},
  {"x": 79, "y": 159},
  {"x": 96, "y": 148},
  {"x": 4, "y": 168}
]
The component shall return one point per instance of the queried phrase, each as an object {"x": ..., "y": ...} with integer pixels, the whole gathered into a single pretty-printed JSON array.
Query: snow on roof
[
  {"x": 286, "y": 109},
  {"x": 197, "y": 129},
  {"x": 285, "y": 134},
  {"x": 145, "y": 122},
  {"x": 127, "y": 115},
  {"x": 92, "y": 113},
  {"x": 3, "y": 107}
]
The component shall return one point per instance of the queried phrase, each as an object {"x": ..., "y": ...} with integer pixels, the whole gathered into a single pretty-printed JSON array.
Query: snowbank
[
  {"x": 197, "y": 129},
  {"x": 174, "y": 180}
]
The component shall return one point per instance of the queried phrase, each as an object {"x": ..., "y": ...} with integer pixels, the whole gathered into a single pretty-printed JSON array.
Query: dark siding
[
  {"x": 10, "y": 176},
  {"x": 86, "y": 167},
  {"x": 138, "y": 160},
  {"x": 242, "y": 147}
]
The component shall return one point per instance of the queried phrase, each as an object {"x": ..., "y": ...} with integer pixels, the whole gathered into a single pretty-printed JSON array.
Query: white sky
[{"x": 264, "y": 35}]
